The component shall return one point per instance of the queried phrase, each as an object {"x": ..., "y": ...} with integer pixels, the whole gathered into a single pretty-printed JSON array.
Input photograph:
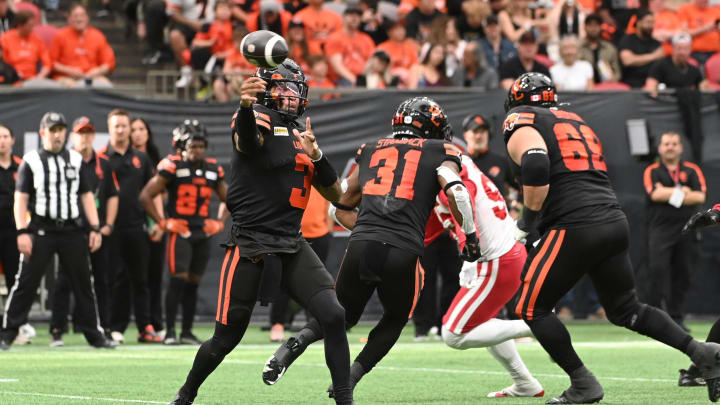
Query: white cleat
[
  {"x": 530, "y": 389},
  {"x": 117, "y": 337}
]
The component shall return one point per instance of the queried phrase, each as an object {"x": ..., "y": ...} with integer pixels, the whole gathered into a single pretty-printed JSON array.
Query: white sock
[
  {"x": 506, "y": 354},
  {"x": 490, "y": 333}
]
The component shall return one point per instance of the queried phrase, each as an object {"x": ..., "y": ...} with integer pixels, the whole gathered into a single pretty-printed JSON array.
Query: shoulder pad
[{"x": 518, "y": 117}]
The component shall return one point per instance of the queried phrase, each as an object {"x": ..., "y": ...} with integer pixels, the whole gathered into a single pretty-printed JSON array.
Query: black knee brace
[{"x": 624, "y": 309}]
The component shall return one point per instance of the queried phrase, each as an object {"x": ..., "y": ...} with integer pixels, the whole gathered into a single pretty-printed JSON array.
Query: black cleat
[
  {"x": 278, "y": 363},
  {"x": 707, "y": 360},
  {"x": 4, "y": 345},
  {"x": 181, "y": 399},
  {"x": 105, "y": 344},
  {"x": 690, "y": 378}
]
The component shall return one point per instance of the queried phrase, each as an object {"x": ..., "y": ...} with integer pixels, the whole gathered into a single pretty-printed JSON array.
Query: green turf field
[{"x": 632, "y": 369}]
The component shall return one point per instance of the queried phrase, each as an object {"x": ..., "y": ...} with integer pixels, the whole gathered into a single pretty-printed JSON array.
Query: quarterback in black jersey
[
  {"x": 395, "y": 186},
  {"x": 568, "y": 196},
  {"x": 275, "y": 161},
  {"x": 190, "y": 180}
]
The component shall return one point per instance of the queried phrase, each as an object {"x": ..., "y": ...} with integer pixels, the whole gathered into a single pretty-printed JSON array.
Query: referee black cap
[{"x": 52, "y": 119}]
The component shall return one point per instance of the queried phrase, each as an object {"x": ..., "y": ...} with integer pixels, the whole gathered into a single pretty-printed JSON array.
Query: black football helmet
[
  {"x": 285, "y": 81},
  {"x": 421, "y": 117},
  {"x": 534, "y": 89},
  {"x": 187, "y": 131}
]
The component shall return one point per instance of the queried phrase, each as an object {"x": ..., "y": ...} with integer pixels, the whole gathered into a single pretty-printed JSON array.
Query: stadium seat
[
  {"x": 46, "y": 33},
  {"x": 712, "y": 71},
  {"x": 611, "y": 86},
  {"x": 26, "y": 6}
]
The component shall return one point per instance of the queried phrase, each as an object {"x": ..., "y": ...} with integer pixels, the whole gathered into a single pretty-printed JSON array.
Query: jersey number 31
[{"x": 383, "y": 183}]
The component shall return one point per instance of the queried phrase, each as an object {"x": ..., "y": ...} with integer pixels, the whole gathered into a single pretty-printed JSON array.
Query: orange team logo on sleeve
[
  {"x": 452, "y": 150},
  {"x": 523, "y": 118},
  {"x": 167, "y": 166}
]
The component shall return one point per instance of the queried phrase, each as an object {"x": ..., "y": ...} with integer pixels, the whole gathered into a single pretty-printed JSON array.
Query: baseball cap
[
  {"x": 353, "y": 8},
  {"x": 81, "y": 123},
  {"x": 270, "y": 6},
  {"x": 527, "y": 37},
  {"x": 593, "y": 18},
  {"x": 51, "y": 119},
  {"x": 296, "y": 23},
  {"x": 474, "y": 121}
]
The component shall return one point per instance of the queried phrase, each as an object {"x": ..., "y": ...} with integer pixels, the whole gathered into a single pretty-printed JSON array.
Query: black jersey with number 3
[
  {"x": 190, "y": 187},
  {"x": 580, "y": 190},
  {"x": 399, "y": 186},
  {"x": 269, "y": 189}
]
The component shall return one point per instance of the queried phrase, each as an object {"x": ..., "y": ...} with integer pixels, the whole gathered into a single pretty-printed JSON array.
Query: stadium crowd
[{"x": 581, "y": 44}]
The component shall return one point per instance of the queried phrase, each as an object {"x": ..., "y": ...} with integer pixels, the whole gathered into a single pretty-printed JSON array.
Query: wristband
[
  {"x": 527, "y": 222},
  {"x": 95, "y": 228},
  {"x": 452, "y": 183},
  {"x": 111, "y": 226},
  {"x": 318, "y": 159},
  {"x": 325, "y": 172},
  {"x": 342, "y": 206},
  {"x": 24, "y": 231}
]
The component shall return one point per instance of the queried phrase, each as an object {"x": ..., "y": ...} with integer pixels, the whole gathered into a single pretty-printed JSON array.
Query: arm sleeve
[
  {"x": 249, "y": 127},
  {"x": 107, "y": 55},
  {"x": 358, "y": 154},
  {"x": 25, "y": 179},
  {"x": 56, "y": 48},
  {"x": 697, "y": 179},
  {"x": 625, "y": 44}
]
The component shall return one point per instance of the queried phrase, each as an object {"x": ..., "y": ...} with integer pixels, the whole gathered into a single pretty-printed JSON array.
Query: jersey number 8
[{"x": 579, "y": 147}]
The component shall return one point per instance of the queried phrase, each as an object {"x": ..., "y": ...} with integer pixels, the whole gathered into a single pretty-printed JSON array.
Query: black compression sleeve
[
  {"x": 247, "y": 131},
  {"x": 535, "y": 168},
  {"x": 326, "y": 174}
]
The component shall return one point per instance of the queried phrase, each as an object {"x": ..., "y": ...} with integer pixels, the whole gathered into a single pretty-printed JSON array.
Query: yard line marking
[
  {"x": 2, "y": 380},
  {"x": 83, "y": 398}
]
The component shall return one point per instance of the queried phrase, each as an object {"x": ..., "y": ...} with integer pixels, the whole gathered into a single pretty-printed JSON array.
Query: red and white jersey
[{"x": 496, "y": 229}]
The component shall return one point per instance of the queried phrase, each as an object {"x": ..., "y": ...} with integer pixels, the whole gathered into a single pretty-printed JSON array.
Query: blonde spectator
[
  {"x": 572, "y": 74},
  {"x": 431, "y": 71},
  {"x": 567, "y": 18},
  {"x": 517, "y": 19},
  {"x": 470, "y": 23}
]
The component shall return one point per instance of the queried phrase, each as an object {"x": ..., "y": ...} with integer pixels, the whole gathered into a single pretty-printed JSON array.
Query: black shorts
[
  {"x": 189, "y": 254},
  {"x": 303, "y": 276},
  {"x": 367, "y": 265},
  {"x": 563, "y": 256},
  {"x": 187, "y": 32}
]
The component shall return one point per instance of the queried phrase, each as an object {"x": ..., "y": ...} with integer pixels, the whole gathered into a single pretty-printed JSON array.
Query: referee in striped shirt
[{"x": 51, "y": 184}]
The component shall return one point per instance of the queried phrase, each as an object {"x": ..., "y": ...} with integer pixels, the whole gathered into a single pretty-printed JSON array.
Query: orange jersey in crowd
[
  {"x": 324, "y": 84},
  {"x": 694, "y": 17},
  {"x": 402, "y": 55},
  {"x": 407, "y": 6},
  {"x": 221, "y": 32},
  {"x": 82, "y": 51},
  {"x": 355, "y": 50},
  {"x": 236, "y": 61},
  {"x": 314, "y": 222},
  {"x": 319, "y": 24},
  {"x": 23, "y": 54},
  {"x": 252, "y": 21},
  {"x": 296, "y": 54}
]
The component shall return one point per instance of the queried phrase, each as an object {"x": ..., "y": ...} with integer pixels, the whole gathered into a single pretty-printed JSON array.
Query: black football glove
[
  {"x": 471, "y": 251},
  {"x": 701, "y": 220}
]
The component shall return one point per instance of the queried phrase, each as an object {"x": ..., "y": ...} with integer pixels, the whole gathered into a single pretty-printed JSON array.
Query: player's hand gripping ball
[{"x": 264, "y": 48}]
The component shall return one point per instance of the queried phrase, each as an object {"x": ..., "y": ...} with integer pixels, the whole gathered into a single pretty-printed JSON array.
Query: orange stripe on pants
[
  {"x": 531, "y": 272},
  {"x": 419, "y": 283},
  {"x": 222, "y": 277},
  {"x": 543, "y": 274},
  {"x": 171, "y": 253},
  {"x": 228, "y": 285}
]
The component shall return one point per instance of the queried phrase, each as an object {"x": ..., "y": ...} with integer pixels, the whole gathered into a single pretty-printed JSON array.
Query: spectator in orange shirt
[
  {"x": 300, "y": 48},
  {"x": 667, "y": 23},
  {"x": 349, "y": 49},
  {"x": 271, "y": 17},
  {"x": 701, "y": 22},
  {"x": 23, "y": 50},
  {"x": 81, "y": 54},
  {"x": 213, "y": 40},
  {"x": 319, "y": 73},
  {"x": 235, "y": 70},
  {"x": 403, "y": 51},
  {"x": 319, "y": 22}
]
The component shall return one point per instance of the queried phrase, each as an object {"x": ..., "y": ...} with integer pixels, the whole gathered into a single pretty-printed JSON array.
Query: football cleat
[
  {"x": 690, "y": 377},
  {"x": 530, "y": 389},
  {"x": 278, "y": 363},
  {"x": 105, "y": 344},
  {"x": 149, "y": 336},
  {"x": 707, "y": 360},
  {"x": 117, "y": 337},
  {"x": 713, "y": 386}
]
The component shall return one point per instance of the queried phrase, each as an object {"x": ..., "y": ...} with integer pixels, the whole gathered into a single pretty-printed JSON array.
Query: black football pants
[
  {"x": 9, "y": 256},
  {"x": 156, "y": 265},
  {"x": 129, "y": 255},
  {"x": 441, "y": 259},
  {"x": 671, "y": 259},
  {"x": 304, "y": 278},
  {"x": 556, "y": 264},
  {"x": 71, "y": 246},
  {"x": 63, "y": 288}
]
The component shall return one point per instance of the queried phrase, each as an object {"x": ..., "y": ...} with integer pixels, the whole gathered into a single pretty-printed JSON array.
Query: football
[{"x": 264, "y": 48}]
